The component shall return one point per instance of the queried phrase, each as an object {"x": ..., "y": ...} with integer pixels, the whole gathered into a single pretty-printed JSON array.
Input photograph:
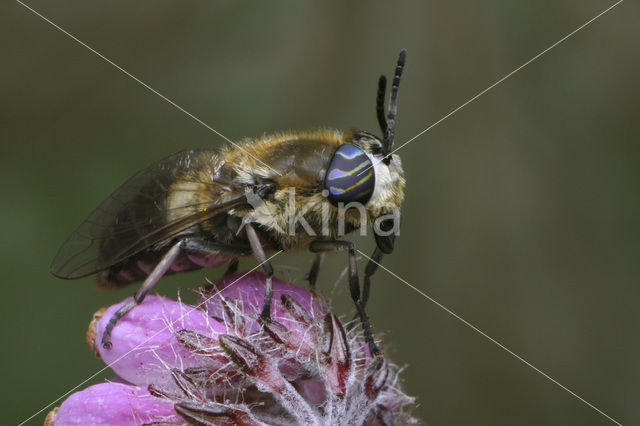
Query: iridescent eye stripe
[
  {"x": 337, "y": 173},
  {"x": 342, "y": 179},
  {"x": 349, "y": 151},
  {"x": 336, "y": 190}
]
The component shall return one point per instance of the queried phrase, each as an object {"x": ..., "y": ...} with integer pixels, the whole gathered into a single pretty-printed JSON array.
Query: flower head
[{"x": 219, "y": 363}]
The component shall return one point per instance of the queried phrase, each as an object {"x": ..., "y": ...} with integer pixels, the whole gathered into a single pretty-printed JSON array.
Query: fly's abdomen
[{"x": 140, "y": 266}]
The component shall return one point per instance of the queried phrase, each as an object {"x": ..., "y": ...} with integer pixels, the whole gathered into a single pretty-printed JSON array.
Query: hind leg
[{"x": 161, "y": 268}]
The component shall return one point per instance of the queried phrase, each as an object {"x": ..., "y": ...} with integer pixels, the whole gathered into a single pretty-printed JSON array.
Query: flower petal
[
  {"x": 144, "y": 346},
  {"x": 115, "y": 404}
]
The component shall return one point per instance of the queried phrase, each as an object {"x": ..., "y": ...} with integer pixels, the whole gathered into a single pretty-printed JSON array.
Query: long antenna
[
  {"x": 387, "y": 142},
  {"x": 382, "y": 91}
]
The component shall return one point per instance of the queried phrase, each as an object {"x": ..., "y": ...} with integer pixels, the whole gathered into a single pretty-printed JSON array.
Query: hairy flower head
[{"x": 218, "y": 363}]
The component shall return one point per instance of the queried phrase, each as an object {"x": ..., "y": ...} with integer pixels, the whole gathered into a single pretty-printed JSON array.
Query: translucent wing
[{"x": 158, "y": 203}]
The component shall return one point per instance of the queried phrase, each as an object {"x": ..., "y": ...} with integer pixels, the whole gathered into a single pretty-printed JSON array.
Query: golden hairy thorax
[{"x": 296, "y": 163}]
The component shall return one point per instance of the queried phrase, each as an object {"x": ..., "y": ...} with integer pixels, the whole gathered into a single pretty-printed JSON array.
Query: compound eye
[{"x": 350, "y": 176}]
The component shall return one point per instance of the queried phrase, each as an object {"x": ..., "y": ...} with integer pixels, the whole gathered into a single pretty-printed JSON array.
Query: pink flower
[{"x": 217, "y": 363}]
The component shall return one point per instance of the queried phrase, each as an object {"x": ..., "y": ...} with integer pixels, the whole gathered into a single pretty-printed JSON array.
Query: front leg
[
  {"x": 371, "y": 268},
  {"x": 321, "y": 246}
]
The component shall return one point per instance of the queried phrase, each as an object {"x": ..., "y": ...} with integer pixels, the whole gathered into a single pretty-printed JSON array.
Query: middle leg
[
  {"x": 258, "y": 252},
  {"x": 315, "y": 269}
]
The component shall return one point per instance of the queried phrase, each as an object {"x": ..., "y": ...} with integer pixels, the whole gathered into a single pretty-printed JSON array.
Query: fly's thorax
[
  {"x": 297, "y": 165},
  {"x": 291, "y": 217},
  {"x": 292, "y": 159}
]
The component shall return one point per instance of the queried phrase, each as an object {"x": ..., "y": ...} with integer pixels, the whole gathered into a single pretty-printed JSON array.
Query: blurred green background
[{"x": 522, "y": 209}]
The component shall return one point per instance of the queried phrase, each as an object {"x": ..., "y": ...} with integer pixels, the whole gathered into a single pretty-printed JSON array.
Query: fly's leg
[
  {"x": 161, "y": 268},
  {"x": 371, "y": 268},
  {"x": 209, "y": 287},
  {"x": 258, "y": 252},
  {"x": 315, "y": 269},
  {"x": 320, "y": 246},
  {"x": 232, "y": 268},
  {"x": 261, "y": 190},
  {"x": 384, "y": 245}
]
